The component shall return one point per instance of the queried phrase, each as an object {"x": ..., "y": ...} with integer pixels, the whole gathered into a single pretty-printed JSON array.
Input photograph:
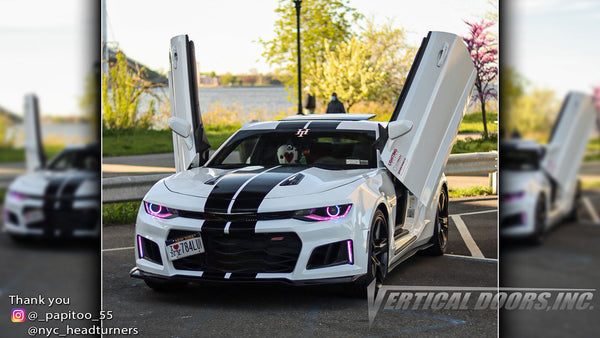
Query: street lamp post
[{"x": 298, "y": 6}]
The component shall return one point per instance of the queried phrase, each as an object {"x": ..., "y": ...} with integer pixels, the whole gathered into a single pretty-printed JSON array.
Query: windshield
[
  {"x": 329, "y": 149},
  {"x": 76, "y": 160}
]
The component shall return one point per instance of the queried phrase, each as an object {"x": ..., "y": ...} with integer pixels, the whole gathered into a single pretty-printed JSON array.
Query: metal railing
[{"x": 133, "y": 188}]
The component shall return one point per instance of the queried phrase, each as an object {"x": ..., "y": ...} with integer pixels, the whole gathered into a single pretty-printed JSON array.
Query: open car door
[
  {"x": 35, "y": 158},
  {"x": 190, "y": 144},
  {"x": 428, "y": 113},
  {"x": 569, "y": 138}
]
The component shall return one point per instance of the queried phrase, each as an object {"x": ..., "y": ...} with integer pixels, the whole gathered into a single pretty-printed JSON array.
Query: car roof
[
  {"x": 320, "y": 122},
  {"x": 521, "y": 144},
  {"x": 330, "y": 117}
]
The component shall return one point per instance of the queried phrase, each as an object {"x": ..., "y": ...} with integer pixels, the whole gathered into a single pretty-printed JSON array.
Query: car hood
[
  {"x": 257, "y": 180},
  {"x": 40, "y": 183}
]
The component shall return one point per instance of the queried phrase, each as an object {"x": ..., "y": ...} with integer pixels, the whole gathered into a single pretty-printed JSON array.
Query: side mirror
[
  {"x": 399, "y": 128},
  {"x": 182, "y": 128}
]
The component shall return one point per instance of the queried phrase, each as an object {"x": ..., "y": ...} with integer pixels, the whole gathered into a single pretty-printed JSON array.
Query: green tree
[
  {"x": 122, "y": 90},
  {"x": 320, "y": 21},
  {"x": 513, "y": 89},
  {"x": 350, "y": 71},
  {"x": 389, "y": 48},
  {"x": 533, "y": 114}
]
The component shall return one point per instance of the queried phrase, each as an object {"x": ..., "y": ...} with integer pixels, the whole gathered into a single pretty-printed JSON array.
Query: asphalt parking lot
[
  {"x": 568, "y": 258},
  {"x": 262, "y": 310},
  {"x": 65, "y": 269}
]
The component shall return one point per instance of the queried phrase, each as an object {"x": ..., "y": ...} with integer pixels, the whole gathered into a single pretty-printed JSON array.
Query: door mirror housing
[
  {"x": 180, "y": 126},
  {"x": 399, "y": 128}
]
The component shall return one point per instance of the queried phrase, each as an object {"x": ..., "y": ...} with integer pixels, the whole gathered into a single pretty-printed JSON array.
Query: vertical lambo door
[
  {"x": 35, "y": 158},
  {"x": 566, "y": 148},
  {"x": 190, "y": 144},
  {"x": 423, "y": 126}
]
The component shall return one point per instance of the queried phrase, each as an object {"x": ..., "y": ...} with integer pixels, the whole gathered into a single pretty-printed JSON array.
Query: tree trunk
[{"x": 485, "y": 131}]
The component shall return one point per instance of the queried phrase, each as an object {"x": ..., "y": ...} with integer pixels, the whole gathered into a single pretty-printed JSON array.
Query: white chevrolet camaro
[
  {"x": 308, "y": 199},
  {"x": 58, "y": 199}
]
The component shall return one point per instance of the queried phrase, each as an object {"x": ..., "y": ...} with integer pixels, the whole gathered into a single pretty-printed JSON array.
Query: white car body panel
[
  {"x": 219, "y": 203},
  {"x": 434, "y": 100},
  {"x": 183, "y": 95},
  {"x": 34, "y": 152}
]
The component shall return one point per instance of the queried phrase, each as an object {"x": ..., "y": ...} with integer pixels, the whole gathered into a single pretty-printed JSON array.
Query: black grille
[
  {"x": 511, "y": 221},
  {"x": 242, "y": 252},
  {"x": 329, "y": 255},
  {"x": 151, "y": 251},
  {"x": 74, "y": 219}
]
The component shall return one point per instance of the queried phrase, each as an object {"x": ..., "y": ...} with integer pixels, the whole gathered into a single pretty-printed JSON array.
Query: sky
[
  {"x": 43, "y": 43},
  {"x": 555, "y": 43},
  {"x": 44, "y": 49},
  {"x": 225, "y": 33}
]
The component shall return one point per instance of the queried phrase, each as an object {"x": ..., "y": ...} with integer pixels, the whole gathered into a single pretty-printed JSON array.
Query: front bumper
[
  {"x": 283, "y": 250},
  {"x": 77, "y": 217}
]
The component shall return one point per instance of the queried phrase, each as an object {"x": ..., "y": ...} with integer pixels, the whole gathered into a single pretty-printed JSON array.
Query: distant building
[{"x": 207, "y": 81}]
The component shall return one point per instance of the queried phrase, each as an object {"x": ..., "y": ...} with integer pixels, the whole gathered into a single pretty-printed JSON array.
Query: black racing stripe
[
  {"x": 214, "y": 226},
  {"x": 324, "y": 125},
  {"x": 67, "y": 194},
  {"x": 219, "y": 198},
  {"x": 291, "y": 125},
  {"x": 50, "y": 192},
  {"x": 253, "y": 194},
  {"x": 242, "y": 227},
  {"x": 53, "y": 186}
]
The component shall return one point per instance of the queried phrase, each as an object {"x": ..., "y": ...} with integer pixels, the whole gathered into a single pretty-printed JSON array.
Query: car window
[
  {"x": 332, "y": 149},
  {"x": 75, "y": 160}
]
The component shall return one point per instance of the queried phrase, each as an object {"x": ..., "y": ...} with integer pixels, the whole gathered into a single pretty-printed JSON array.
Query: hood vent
[{"x": 294, "y": 180}]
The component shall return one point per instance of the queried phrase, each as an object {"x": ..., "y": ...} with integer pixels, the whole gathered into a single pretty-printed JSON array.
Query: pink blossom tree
[
  {"x": 596, "y": 103},
  {"x": 484, "y": 52}
]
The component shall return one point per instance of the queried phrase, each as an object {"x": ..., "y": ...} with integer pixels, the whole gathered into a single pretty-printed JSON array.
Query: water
[
  {"x": 55, "y": 133},
  {"x": 268, "y": 99}
]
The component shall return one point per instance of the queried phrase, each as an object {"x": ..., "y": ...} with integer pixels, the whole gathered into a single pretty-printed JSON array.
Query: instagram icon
[{"x": 17, "y": 315}]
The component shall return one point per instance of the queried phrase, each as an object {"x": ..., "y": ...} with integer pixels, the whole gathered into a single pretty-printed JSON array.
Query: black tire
[
  {"x": 378, "y": 253},
  {"x": 572, "y": 217},
  {"x": 540, "y": 221},
  {"x": 439, "y": 240},
  {"x": 164, "y": 286}
]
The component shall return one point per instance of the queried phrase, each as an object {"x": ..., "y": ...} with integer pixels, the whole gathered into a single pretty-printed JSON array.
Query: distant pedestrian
[
  {"x": 310, "y": 103},
  {"x": 335, "y": 106}
]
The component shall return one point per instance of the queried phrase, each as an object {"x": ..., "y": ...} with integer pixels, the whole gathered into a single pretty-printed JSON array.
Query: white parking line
[
  {"x": 466, "y": 236},
  {"x": 490, "y": 260},
  {"x": 590, "y": 209},
  {"x": 476, "y": 212},
  {"x": 118, "y": 249}
]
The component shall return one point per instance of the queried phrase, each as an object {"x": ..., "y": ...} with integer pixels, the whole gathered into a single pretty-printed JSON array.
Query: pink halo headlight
[
  {"x": 158, "y": 210},
  {"x": 325, "y": 214},
  {"x": 16, "y": 195}
]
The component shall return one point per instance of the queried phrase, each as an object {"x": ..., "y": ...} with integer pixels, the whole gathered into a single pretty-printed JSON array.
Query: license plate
[
  {"x": 185, "y": 246},
  {"x": 34, "y": 216}
]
